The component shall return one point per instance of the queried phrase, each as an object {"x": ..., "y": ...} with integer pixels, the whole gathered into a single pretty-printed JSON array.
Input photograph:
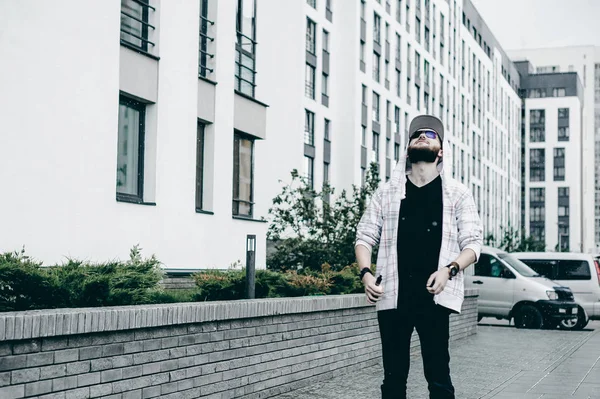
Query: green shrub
[{"x": 24, "y": 284}]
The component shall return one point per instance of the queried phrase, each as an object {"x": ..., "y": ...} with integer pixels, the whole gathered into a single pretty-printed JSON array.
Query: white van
[
  {"x": 578, "y": 271},
  {"x": 509, "y": 289}
]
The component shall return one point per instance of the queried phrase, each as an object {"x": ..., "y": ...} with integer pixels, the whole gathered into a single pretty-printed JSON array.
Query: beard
[{"x": 422, "y": 154}]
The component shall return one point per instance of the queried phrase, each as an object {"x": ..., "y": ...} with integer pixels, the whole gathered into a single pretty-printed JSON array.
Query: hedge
[{"x": 26, "y": 284}]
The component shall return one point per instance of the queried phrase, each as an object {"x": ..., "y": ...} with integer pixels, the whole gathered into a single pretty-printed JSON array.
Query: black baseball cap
[{"x": 427, "y": 122}]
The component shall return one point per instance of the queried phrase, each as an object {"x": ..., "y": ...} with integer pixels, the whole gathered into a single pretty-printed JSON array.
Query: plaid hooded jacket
[{"x": 461, "y": 229}]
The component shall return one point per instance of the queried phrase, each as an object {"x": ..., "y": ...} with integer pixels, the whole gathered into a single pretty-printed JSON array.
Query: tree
[
  {"x": 308, "y": 230},
  {"x": 514, "y": 240}
]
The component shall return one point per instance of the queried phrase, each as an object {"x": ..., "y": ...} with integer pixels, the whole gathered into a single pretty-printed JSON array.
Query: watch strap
[{"x": 364, "y": 271}]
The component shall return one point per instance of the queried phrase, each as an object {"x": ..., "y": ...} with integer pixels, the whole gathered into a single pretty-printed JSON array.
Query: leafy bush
[
  {"x": 25, "y": 284},
  {"x": 309, "y": 230}
]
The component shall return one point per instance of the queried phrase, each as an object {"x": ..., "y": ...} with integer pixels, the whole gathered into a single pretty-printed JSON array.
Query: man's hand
[
  {"x": 439, "y": 280},
  {"x": 374, "y": 292}
]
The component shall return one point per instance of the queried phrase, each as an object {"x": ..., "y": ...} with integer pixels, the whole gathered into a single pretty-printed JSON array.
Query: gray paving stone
[{"x": 499, "y": 362}]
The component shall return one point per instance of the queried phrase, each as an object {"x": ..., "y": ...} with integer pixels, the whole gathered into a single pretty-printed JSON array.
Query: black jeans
[{"x": 432, "y": 325}]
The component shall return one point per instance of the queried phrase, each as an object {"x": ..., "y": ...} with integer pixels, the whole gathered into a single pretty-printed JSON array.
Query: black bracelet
[{"x": 364, "y": 271}]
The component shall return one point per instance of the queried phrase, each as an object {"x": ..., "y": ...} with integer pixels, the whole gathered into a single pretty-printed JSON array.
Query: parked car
[
  {"x": 580, "y": 272},
  {"x": 509, "y": 289}
]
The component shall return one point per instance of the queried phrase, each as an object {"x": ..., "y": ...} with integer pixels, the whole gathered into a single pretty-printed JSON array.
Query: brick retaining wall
[{"x": 237, "y": 349}]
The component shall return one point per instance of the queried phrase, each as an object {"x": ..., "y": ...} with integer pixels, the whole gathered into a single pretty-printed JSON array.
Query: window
[
  {"x": 398, "y": 48},
  {"x": 427, "y": 39},
  {"x": 325, "y": 173},
  {"x": 536, "y": 195},
  {"x": 200, "y": 167},
  {"x": 309, "y": 83},
  {"x": 130, "y": 151},
  {"x": 418, "y": 65},
  {"x": 375, "y": 147},
  {"x": 309, "y": 170},
  {"x": 537, "y": 125},
  {"x": 376, "y": 62},
  {"x": 537, "y": 93},
  {"x": 398, "y": 83},
  {"x": 559, "y": 164},
  {"x": 396, "y": 152},
  {"x": 397, "y": 119},
  {"x": 563, "y": 113},
  {"x": 489, "y": 266},
  {"x": 245, "y": 61},
  {"x": 309, "y": 128},
  {"x": 563, "y": 133},
  {"x": 537, "y": 135},
  {"x": 243, "y": 175},
  {"x": 558, "y": 92},
  {"x": 135, "y": 29},
  {"x": 325, "y": 41},
  {"x": 311, "y": 29},
  {"x": 563, "y": 124},
  {"x": 537, "y": 161},
  {"x": 327, "y": 130},
  {"x": 573, "y": 270},
  {"x": 426, "y": 71},
  {"x": 537, "y": 213},
  {"x": 204, "y": 56},
  {"x": 312, "y": 3},
  {"x": 362, "y": 57},
  {"x": 399, "y": 11},
  {"x": 376, "y": 107},
  {"x": 418, "y": 29},
  {"x": 325, "y": 87},
  {"x": 376, "y": 28}
]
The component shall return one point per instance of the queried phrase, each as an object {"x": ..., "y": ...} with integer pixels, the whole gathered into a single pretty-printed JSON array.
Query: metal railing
[
  {"x": 245, "y": 74},
  {"x": 135, "y": 29},
  {"x": 204, "y": 55}
]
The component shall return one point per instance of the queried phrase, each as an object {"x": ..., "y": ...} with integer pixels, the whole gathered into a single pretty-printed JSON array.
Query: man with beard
[{"x": 428, "y": 231}]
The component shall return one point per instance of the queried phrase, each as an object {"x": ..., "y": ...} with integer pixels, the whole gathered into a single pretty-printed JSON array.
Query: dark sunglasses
[{"x": 430, "y": 134}]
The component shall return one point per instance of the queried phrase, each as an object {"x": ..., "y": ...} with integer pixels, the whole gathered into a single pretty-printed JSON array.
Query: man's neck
[{"x": 423, "y": 173}]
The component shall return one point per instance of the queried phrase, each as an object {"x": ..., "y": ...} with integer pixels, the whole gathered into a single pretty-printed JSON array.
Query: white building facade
[
  {"x": 144, "y": 130},
  {"x": 585, "y": 61},
  {"x": 172, "y": 124}
]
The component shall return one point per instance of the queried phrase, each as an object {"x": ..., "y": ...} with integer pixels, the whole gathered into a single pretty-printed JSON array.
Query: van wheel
[
  {"x": 577, "y": 323},
  {"x": 528, "y": 316}
]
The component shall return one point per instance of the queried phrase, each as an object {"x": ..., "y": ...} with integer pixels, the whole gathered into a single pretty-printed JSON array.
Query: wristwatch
[
  {"x": 453, "y": 269},
  {"x": 364, "y": 271}
]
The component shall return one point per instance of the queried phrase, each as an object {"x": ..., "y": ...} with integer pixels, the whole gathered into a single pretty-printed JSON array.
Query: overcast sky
[{"x": 521, "y": 24}]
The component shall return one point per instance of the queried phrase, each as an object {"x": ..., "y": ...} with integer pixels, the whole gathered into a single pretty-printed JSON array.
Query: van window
[
  {"x": 546, "y": 268},
  {"x": 488, "y": 266},
  {"x": 560, "y": 269},
  {"x": 573, "y": 270}
]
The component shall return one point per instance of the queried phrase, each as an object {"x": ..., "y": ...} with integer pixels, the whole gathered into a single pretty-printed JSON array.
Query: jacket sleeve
[
  {"x": 368, "y": 230},
  {"x": 470, "y": 228}
]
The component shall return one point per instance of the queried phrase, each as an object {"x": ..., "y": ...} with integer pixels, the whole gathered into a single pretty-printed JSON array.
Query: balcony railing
[
  {"x": 135, "y": 27},
  {"x": 245, "y": 64},
  {"x": 204, "y": 54}
]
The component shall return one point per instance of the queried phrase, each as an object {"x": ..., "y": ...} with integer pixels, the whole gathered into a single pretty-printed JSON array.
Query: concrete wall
[{"x": 239, "y": 349}]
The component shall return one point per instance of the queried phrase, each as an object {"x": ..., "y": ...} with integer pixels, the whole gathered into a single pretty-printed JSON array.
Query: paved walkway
[{"x": 499, "y": 362}]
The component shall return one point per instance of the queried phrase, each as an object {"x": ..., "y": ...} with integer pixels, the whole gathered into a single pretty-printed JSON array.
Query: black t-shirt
[{"x": 419, "y": 241}]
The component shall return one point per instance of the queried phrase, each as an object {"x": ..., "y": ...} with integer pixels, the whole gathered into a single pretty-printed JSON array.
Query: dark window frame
[
  {"x": 144, "y": 21},
  {"x": 200, "y": 146},
  {"x": 241, "y": 51},
  {"x": 137, "y": 198},
  {"x": 237, "y": 136}
]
